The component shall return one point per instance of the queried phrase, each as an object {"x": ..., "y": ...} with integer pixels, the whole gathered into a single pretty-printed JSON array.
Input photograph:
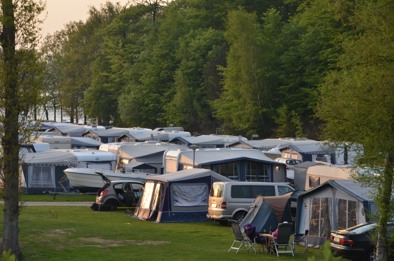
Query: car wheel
[
  {"x": 371, "y": 256},
  {"x": 239, "y": 216},
  {"x": 112, "y": 204}
]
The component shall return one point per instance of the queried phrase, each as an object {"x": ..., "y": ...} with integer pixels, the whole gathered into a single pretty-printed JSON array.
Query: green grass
[
  {"x": 78, "y": 233},
  {"x": 58, "y": 197}
]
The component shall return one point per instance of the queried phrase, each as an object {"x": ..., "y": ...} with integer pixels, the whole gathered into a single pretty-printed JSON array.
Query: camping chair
[
  {"x": 240, "y": 239},
  {"x": 255, "y": 238},
  {"x": 284, "y": 240}
]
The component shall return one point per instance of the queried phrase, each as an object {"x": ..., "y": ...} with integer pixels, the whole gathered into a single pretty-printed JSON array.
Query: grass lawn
[
  {"x": 57, "y": 197},
  {"x": 78, "y": 233}
]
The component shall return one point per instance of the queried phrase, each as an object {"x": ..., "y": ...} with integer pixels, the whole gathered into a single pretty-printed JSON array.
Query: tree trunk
[
  {"x": 10, "y": 139},
  {"x": 382, "y": 244}
]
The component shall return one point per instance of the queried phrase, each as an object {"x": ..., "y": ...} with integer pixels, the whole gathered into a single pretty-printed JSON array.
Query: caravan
[{"x": 318, "y": 174}]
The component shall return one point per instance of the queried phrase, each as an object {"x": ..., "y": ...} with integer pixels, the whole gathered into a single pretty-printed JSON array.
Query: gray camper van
[{"x": 230, "y": 200}]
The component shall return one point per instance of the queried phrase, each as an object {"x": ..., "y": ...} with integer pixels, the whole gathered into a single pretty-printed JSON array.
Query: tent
[
  {"x": 335, "y": 204},
  {"x": 267, "y": 212},
  {"x": 43, "y": 171},
  {"x": 177, "y": 197}
]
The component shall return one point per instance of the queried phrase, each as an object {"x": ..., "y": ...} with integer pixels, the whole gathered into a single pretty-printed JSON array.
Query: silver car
[{"x": 118, "y": 193}]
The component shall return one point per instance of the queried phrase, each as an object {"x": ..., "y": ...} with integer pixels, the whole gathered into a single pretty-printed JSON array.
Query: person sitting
[
  {"x": 250, "y": 231},
  {"x": 275, "y": 233}
]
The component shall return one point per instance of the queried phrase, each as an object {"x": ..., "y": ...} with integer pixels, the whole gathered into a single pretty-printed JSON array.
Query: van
[
  {"x": 230, "y": 200},
  {"x": 290, "y": 163}
]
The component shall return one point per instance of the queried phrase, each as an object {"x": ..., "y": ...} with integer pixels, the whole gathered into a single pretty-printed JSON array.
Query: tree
[
  {"x": 190, "y": 106},
  {"x": 289, "y": 123},
  {"x": 51, "y": 53},
  {"x": 357, "y": 102},
  {"x": 153, "y": 60},
  {"x": 311, "y": 44},
  {"x": 246, "y": 102},
  {"x": 19, "y": 21},
  {"x": 106, "y": 82},
  {"x": 132, "y": 55}
]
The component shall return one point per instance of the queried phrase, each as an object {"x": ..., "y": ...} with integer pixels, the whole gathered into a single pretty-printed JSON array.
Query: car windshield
[{"x": 362, "y": 228}]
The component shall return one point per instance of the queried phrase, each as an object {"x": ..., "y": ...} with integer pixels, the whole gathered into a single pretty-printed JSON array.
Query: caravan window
[
  {"x": 319, "y": 217},
  {"x": 314, "y": 181},
  {"x": 41, "y": 177},
  {"x": 256, "y": 171},
  {"x": 347, "y": 213},
  {"x": 230, "y": 170},
  {"x": 189, "y": 195}
]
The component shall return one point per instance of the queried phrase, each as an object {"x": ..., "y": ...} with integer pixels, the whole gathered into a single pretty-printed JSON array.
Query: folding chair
[
  {"x": 240, "y": 240},
  {"x": 255, "y": 238},
  {"x": 284, "y": 242}
]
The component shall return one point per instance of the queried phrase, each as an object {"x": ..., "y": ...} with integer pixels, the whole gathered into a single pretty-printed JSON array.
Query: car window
[
  {"x": 118, "y": 186},
  {"x": 251, "y": 191},
  {"x": 216, "y": 190},
  {"x": 284, "y": 190},
  {"x": 262, "y": 191},
  {"x": 137, "y": 190},
  {"x": 127, "y": 187},
  {"x": 240, "y": 191}
]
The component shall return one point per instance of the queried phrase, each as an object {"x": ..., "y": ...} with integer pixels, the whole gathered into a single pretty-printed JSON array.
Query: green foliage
[
  {"x": 247, "y": 103},
  {"x": 325, "y": 255},
  {"x": 357, "y": 104},
  {"x": 140, "y": 103},
  {"x": 7, "y": 256},
  {"x": 190, "y": 106},
  {"x": 240, "y": 103},
  {"x": 289, "y": 123},
  {"x": 311, "y": 47},
  {"x": 202, "y": 64}
]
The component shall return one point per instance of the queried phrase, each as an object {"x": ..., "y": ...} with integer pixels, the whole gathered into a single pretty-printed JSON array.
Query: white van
[{"x": 230, "y": 200}]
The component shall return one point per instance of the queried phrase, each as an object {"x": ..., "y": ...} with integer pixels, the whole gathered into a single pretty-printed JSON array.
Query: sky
[{"x": 60, "y": 12}]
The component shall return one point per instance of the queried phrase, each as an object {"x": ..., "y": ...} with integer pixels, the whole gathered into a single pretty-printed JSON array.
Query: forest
[{"x": 211, "y": 66}]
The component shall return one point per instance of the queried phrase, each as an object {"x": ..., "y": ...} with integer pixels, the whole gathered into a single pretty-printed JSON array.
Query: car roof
[
  {"x": 127, "y": 181},
  {"x": 254, "y": 183}
]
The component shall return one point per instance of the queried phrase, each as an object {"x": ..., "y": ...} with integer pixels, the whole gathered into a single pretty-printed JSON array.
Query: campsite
[
  {"x": 170, "y": 220},
  {"x": 77, "y": 233}
]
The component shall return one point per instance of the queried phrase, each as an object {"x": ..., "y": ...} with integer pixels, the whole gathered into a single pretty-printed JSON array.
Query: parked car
[
  {"x": 356, "y": 243},
  {"x": 118, "y": 193},
  {"x": 290, "y": 163},
  {"x": 230, "y": 200}
]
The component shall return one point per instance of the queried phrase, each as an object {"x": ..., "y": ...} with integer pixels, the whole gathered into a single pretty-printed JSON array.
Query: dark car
[
  {"x": 118, "y": 193},
  {"x": 356, "y": 243}
]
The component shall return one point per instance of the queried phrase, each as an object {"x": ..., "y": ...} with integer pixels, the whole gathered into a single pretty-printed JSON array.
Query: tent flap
[{"x": 188, "y": 195}]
